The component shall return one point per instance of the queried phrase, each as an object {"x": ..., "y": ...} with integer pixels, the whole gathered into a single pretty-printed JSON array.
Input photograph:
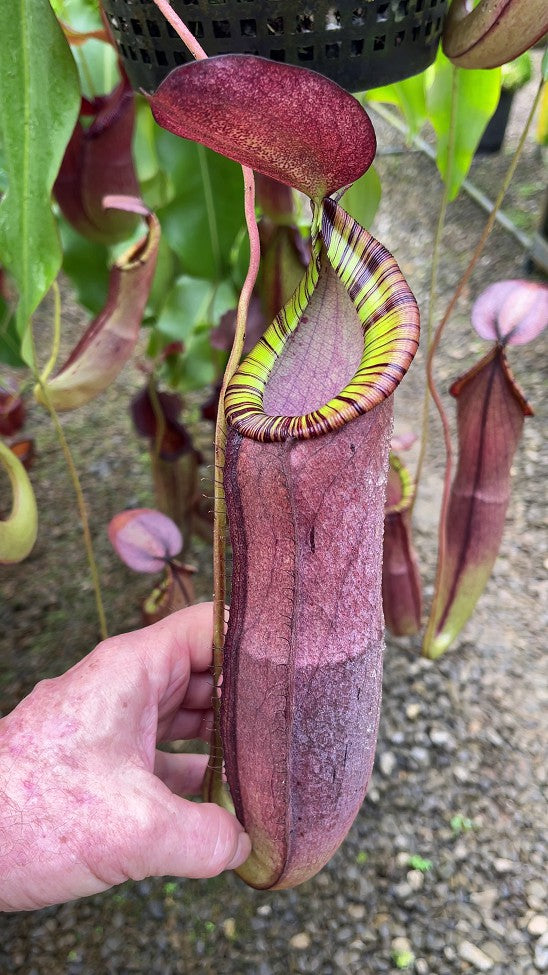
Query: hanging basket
[{"x": 358, "y": 45}]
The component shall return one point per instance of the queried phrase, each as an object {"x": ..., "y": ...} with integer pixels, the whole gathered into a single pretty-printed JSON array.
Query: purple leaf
[
  {"x": 98, "y": 163},
  {"x": 109, "y": 340},
  {"x": 511, "y": 312},
  {"x": 12, "y": 412},
  {"x": 222, "y": 336},
  {"x": 303, "y": 654},
  {"x": 144, "y": 539},
  {"x": 490, "y": 413},
  {"x": 176, "y": 439},
  {"x": 288, "y": 123},
  {"x": 402, "y": 441},
  {"x": 401, "y": 582}
]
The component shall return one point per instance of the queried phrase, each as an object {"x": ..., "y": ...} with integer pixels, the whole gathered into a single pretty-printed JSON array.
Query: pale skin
[{"x": 86, "y": 799}]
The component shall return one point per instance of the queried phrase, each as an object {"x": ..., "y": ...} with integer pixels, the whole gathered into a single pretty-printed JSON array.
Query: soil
[{"x": 442, "y": 873}]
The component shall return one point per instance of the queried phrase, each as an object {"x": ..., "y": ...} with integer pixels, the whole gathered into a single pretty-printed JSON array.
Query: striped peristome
[
  {"x": 389, "y": 319},
  {"x": 405, "y": 487}
]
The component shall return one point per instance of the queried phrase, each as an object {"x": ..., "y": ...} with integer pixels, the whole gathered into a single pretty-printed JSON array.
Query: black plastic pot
[
  {"x": 493, "y": 137},
  {"x": 360, "y": 45}
]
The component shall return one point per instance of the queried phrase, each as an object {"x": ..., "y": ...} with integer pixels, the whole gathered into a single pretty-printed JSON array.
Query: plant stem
[
  {"x": 50, "y": 364},
  {"x": 434, "y": 281},
  {"x": 71, "y": 466},
  {"x": 213, "y": 784},
  {"x": 181, "y": 29},
  {"x": 432, "y": 352}
]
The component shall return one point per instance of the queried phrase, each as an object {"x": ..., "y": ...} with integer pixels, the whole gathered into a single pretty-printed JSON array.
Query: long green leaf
[
  {"x": 408, "y": 96},
  {"x": 477, "y": 95},
  {"x": 39, "y": 102},
  {"x": 203, "y": 240}
]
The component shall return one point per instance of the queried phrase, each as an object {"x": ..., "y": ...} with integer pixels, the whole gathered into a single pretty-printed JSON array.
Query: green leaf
[
  {"x": 86, "y": 264},
  {"x": 39, "y": 103},
  {"x": 544, "y": 65},
  {"x": 144, "y": 143},
  {"x": 199, "y": 366},
  {"x": 162, "y": 283},
  {"x": 409, "y": 96},
  {"x": 9, "y": 340},
  {"x": 476, "y": 98},
  {"x": 193, "y": 302},
  {"x": 362, "y": 199},
  {"x": 203, "y": 220}
]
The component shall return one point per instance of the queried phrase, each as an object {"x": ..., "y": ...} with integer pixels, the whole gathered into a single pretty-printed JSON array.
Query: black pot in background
[
  {"x": 493, "y": 137},
  {"x": 358, "y": 43}
]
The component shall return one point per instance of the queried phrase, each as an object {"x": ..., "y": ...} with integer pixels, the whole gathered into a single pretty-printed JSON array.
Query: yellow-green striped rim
[{"x": 389, "y": 317}]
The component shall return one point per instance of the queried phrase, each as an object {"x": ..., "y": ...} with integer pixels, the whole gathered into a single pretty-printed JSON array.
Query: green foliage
[
  {"x": 409, "y": 96},
  {"x": 416, "y": 862},
  {"x": 461, "y": 824},
  {"x": 9, "y": 340},
  {"x": 403, "y": 959},
  {"x": 204, "y": 239},
  {"x": 191, "y": 308},
  {"x": 86, "y": 264},
  {"x": 517, "y": 73},
  {"x": 362, "y": 199},
  {"x": 476, "y": 95},
  {"x": 39, "y": 102}
]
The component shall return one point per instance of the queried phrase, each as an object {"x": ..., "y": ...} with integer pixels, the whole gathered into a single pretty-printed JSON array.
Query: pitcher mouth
[{"x": 288, "y": 386}]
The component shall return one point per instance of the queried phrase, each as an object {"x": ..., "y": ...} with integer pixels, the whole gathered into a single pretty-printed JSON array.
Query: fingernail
[{"x": 242, "y": 852}]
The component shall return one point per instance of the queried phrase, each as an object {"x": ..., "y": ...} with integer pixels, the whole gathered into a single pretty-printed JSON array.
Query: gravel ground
[{"x": 442, "y": 873}]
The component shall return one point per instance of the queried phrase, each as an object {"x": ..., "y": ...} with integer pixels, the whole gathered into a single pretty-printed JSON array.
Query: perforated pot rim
[{"x": 359, "y": 45}]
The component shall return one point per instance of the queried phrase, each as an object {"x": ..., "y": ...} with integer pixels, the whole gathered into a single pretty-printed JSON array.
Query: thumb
[{"x": 191, "y": 839}]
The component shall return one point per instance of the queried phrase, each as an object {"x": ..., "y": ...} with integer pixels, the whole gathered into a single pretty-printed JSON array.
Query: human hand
[{"x": 86, "y": 800}]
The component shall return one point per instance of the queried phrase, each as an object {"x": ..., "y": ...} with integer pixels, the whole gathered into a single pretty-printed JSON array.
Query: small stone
[
  {"x": 536, "y": 895},
  {"x": 402, "y": 891},
  {"x": 300, "y": 941},
  {"x": 541, "y": 953},
  {"x": 229, "y": 928},
  {"x": 415, "y": 879},
  {"x": 494, "y": 951},
  {"x": 420, "y": 755},
  {"x": 264, "y": 910},
  {"x": 441, "y": 738},
  {"x": 461, "y": 773},
  {"x": 485, "y": 899},
  {"x": 502, "y": 865},
  {"x": 412, "y": 711},
  {"x": 401, "y": 945},
  {"x": 357, "y": 911},
  {"x": 475, "y": 956},
  {"x": 156, "y": 910},
  {"x": 538, "y": 925},
  {"x": 387, "y": 763},
  {"x": 421, "y": 966}
]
